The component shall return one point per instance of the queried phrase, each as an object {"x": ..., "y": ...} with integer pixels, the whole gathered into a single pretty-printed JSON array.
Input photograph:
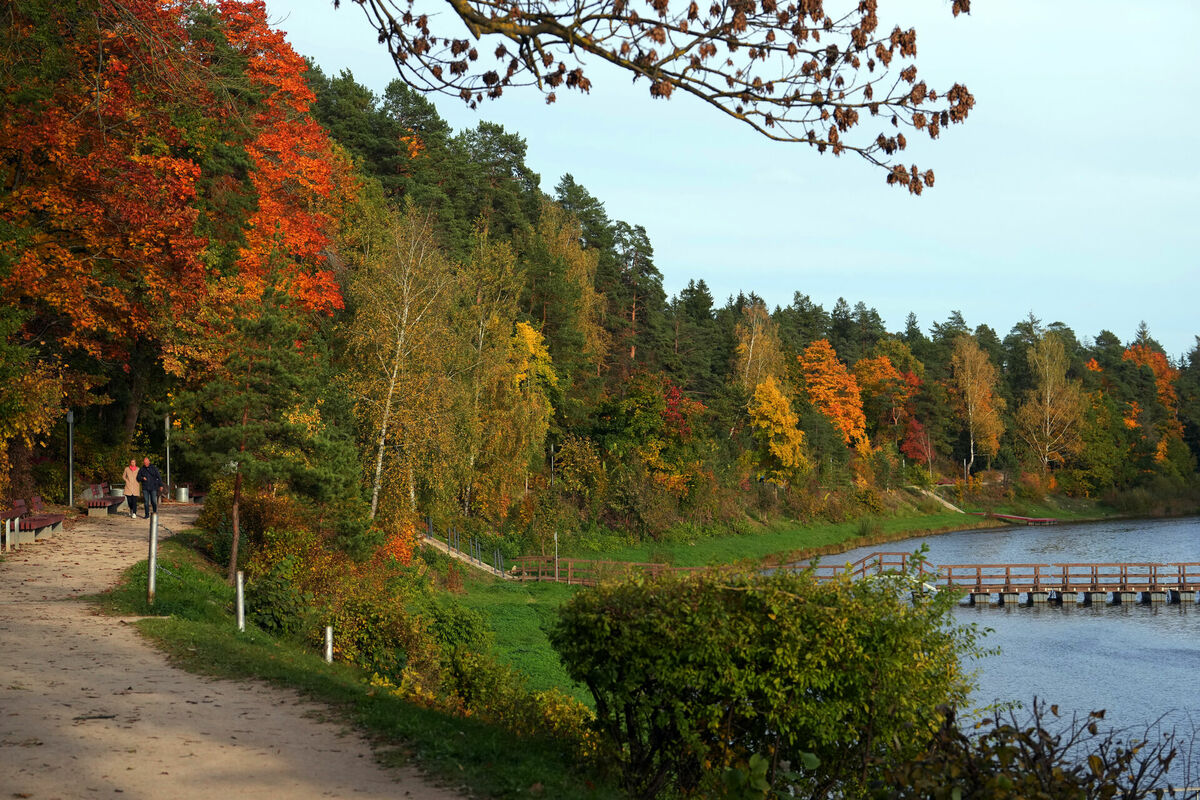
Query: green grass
[
  {"x": 519, "y": 615},
  {"x": 786, "y": 540},
  {"x": 197, "y": 631}
]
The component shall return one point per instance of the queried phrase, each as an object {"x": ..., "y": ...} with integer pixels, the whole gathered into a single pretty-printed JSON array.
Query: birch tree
[
  {"x": 401, "y": 293},
  {"x": 973, "y": 381},
  {"x": 758, "y": 354},
  {"x": 1049, "y": 422}
]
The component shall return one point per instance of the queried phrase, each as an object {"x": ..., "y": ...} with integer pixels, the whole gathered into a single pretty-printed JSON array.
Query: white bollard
[
  {"x": 152, "y": 566},
  {"x": 241, "y": 601},
  {"x": 329, "y": 643}
]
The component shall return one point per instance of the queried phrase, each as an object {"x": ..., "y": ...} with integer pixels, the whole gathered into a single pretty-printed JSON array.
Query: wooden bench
[
  {"x": 99, "y": 501},
  {"x": 33, "y": 527}
]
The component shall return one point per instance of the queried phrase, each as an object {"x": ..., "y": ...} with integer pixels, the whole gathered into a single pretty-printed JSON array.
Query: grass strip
[{"x": 194, "y": 626}]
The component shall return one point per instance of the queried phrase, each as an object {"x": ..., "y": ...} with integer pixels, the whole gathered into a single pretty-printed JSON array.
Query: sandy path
[{"x": 88, "y": 709}]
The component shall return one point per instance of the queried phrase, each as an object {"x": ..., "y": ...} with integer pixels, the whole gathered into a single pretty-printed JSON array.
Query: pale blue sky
[{"x": 1071, "y": 192}]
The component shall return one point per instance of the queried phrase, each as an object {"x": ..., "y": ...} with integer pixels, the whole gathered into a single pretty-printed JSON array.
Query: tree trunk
[
  {"x": 237, "y": 501},
  {"x": 237, "y": 528},
  {"x": 383, "y": 428},
  {"x": 133, "y": 408}
]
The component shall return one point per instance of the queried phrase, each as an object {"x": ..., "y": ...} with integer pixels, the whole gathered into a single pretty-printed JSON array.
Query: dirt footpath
[{"x": 88, "y": 709}]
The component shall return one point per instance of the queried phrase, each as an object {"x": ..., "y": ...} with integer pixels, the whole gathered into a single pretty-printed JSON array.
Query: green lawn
[
  {"x": 791, "y": 539},
  {"x": 518, "y": 615}
]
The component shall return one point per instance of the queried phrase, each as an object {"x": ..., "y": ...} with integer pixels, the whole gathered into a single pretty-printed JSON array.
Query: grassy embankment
[
  {"x": 194, "y": 625},
  {"x": 519, "y": 613}
]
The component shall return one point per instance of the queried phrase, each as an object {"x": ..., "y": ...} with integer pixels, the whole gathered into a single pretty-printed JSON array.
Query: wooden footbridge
[
  {"x": 1058, "y": 583},
  {"x": 1085, "y": 583}
]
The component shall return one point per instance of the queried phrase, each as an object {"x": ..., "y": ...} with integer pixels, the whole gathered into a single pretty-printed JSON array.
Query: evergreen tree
[{"x": 258, "y": 415}]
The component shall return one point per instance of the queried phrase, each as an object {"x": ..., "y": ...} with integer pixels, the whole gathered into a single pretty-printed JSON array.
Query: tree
[
  {"x": 759, "y": 354},
  {"x": 295, "y": 170},
  {"x": 781, "y": 455},
  {"x": 834, "y": 392},
  {"x": 401, "y": 291},
  {"x": 258, "y": 417},
  {"x": 886, "y": 392},
  {"x": 974, "y": 384},
  {"x": 1049, "y": 420},
  {"x": 794, "y": 73},
  {"x": 1165, "y": 428}
]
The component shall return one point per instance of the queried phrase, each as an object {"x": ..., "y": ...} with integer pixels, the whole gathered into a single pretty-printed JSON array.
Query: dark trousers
[
  {"x": 151, "y": 501},
  {"x": 132, "y": 498}
]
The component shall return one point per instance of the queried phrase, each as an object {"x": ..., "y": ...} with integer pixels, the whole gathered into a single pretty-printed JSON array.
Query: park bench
[
  {"x": 99, "y": 501},
  {"x": 34, "y": 526}
]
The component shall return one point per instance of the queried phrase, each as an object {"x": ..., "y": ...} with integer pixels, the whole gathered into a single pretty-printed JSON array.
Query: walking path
[{"x": 89, "y": 709}]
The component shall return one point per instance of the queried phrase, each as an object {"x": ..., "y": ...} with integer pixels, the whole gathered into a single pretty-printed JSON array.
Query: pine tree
[{"x": 258, "y": 415}]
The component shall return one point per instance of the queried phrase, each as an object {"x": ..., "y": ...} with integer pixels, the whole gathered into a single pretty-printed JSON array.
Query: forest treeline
[{"x": 332, "y": 293}]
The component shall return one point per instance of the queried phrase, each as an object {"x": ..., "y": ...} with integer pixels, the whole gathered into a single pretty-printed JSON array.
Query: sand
[{"x": 89, "y": 709}]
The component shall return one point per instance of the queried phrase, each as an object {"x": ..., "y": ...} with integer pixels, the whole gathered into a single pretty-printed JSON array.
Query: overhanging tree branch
[{"x": 793, "y": 72}]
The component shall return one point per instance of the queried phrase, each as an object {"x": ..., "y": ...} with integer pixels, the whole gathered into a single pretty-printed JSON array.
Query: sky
[{"x": 1072, "y": 191}]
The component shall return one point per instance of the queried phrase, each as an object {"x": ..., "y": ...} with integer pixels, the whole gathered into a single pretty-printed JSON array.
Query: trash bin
[
  {"x": 181, "y": 494},
  {"x": 116, "y": 491}
]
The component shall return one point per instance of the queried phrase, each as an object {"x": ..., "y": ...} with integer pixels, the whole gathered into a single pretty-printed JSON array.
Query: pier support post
[
  {"x": 1126, "y": 598},
  {"x": 1157, "y": 597},
  {"x": 1039, "y": 598},
  {"x": 1009, "y": 598}
]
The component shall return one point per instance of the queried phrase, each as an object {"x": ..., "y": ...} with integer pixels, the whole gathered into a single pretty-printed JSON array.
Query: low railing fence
[
  {"x": 1128, "y": 577},
  {"x": 472, "y": 547},
  {"x": 973, "y": 578}
]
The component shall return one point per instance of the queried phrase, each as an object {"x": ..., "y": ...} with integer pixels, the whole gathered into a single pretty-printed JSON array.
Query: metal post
[
  {"x": 241, "y": 601},
  {"x": 70, "y": 458},
  {"x": 152, "y": 567},
  {"x": 167, "y": 429},
  {"x": 556, "y": 556},
  {"x": 329, "y": 644}
]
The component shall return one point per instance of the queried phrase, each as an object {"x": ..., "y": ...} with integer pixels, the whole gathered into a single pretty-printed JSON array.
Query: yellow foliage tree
[
  {"x": 974, "y": 389},
  {"x": 1050, "y": 420},
  {"x": 781, "y": 455},
  {"x": 759, "y": 354}
]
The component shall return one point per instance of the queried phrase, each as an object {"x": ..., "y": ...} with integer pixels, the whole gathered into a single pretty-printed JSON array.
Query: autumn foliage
[{"x": 833, "y": 391}]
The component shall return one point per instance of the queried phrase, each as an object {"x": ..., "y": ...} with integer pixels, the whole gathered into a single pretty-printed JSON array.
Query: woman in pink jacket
[{"x": 133, "y": 489}]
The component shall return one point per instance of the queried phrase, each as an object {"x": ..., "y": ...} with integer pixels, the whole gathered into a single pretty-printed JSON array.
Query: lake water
[{"x": 1139, "y": 663}]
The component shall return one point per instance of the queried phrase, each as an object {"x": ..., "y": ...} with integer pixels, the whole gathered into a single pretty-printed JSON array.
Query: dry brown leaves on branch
[{"x": 794, "y": 71}]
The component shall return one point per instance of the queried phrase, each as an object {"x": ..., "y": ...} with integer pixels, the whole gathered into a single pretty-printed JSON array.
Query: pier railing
[{"x": 970, "y": 578}]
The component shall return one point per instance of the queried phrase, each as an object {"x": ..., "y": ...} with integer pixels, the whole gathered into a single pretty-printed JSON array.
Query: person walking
[
  {"x": 133, "y": 489},
  {"x": 152, "y": 483}
]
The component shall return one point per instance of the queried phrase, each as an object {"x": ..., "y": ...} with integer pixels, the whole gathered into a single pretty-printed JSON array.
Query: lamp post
[
  {"x": 167, "y": 428},
  {"x": 70, "y": 458}
]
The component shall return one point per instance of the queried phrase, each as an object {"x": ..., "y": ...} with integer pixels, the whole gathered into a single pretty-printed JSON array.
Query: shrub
[
  {"x": 1038, "y": 758},
  {"x": 693, "y": 676},
  {"x": 274, "y": 600}
]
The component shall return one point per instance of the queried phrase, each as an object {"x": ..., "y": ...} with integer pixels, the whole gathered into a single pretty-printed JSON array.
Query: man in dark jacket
[{"x": 152, "y": 483}]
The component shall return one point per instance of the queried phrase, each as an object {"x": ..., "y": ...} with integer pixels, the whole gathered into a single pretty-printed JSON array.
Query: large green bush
[{"x": 694, "y": 677}]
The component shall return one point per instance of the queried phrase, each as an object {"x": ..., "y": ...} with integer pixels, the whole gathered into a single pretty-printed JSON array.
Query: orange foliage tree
[
  {"x": 96, "y": 214},
  {"x": 296, "y": 169},
  {"x": 833, "y": 391},
  {"x": 886, "y": 391},
  {"x": 1168, "y": 430}
]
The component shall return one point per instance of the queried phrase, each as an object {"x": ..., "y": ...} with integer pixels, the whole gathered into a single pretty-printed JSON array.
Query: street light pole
[
  {"x": 70, "y": 458},
  {"x": 167, "y": 428}
]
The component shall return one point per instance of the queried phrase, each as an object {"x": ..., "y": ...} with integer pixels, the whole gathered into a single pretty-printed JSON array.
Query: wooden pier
[
  {"x": 1003, "y": 584},
  {"x": 1083, "y": 583}
]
